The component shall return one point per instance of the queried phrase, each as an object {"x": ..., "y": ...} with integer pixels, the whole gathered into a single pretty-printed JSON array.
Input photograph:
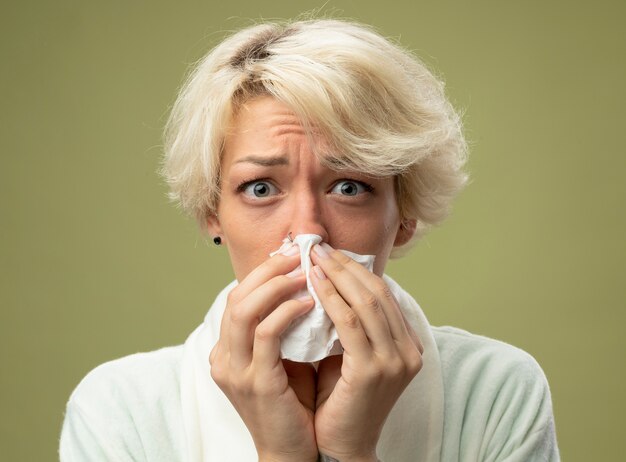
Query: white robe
[{"x": 475, "y": 399}]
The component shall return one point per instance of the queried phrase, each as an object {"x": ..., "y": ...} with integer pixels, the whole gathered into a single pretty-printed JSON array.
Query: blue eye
[
  {"x": 350, "y": 188},
  {"x": 258, "y": 189}
]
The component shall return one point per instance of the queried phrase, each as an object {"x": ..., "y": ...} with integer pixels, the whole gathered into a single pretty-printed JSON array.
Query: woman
[{"x": 326, "y": 137}]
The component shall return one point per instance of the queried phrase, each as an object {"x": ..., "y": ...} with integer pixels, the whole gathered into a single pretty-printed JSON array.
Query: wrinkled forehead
[
  {"x": 261, "y": 121},
  {"x": 332, "y": 138},
  {"x": 265, "y": 114}
]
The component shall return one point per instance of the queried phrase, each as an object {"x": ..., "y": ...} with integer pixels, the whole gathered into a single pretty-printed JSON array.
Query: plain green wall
[{"x": 96, "y": 264}]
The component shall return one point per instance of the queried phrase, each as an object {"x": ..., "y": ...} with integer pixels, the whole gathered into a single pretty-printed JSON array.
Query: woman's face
[{"x": 272, "y": 184}]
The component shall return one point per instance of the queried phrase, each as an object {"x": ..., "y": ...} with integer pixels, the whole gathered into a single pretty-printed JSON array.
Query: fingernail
[
  {"x": 320, "y": 251},
  {"x": 295, "y": 273},
  {"x": 291, "y": 251},
  {"x": 319, "y": 273}
]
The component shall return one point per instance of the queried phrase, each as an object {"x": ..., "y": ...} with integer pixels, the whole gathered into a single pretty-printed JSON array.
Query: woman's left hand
[{"x": 382, "y": 354}]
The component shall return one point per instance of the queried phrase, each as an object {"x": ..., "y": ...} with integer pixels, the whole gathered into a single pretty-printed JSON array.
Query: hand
[
  {"x": 274, "y": 398},
  {"x": 382, "y": 354}
]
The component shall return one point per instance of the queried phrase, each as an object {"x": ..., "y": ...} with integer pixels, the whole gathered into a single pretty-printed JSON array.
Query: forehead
[
  {"x": 264, "y": 116},
  {"x": 264, "y": 125}
]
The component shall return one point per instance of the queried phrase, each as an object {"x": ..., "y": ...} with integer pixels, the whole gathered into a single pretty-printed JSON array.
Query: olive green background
[{"x": 96, "y": 264}]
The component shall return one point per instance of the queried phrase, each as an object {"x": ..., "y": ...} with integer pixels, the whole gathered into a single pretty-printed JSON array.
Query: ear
[
  {"x": 213, "y": 225},
  {"x": 405, "y": 232}
]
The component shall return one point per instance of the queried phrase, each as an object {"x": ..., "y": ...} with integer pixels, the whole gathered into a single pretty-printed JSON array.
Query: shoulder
[
  {"x": 486, "y": 354},
  {"x": 141, "y": 388},
  {"x": 126, "y": 409},
  {"x": 144, "y": 374},
  {"x": 469, "y": 360},
  {"x": 496, "y": 396}
]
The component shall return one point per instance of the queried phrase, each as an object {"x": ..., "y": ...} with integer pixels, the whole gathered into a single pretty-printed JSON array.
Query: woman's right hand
[{"x": 276, "y": 405}]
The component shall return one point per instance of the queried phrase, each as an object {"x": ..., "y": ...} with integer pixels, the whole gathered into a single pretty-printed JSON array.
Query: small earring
[{"x": 217, "y": 240}]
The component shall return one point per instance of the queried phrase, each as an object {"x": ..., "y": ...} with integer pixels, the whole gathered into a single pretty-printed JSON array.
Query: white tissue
[{"x": 313, "y": 336}]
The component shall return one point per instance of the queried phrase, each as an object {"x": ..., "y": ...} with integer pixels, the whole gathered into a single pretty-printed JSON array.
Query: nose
[{"x": 307, "y": 215}]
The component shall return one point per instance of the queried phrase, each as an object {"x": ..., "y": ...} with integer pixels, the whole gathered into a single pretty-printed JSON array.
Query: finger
[
  {"x": 246, "y": 316},
  {"x": 272, "y": 267},
  {"x": 378, "y": 287},
  {"x": 367, "y": 303},
  {"x": 346, "y": 321},
  {"x": 266, "y": 351},
  {"x": 400, "y": 329}
]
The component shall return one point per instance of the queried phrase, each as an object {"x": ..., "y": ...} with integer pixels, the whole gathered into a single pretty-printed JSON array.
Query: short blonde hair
[{"x": 372, "y": 101}]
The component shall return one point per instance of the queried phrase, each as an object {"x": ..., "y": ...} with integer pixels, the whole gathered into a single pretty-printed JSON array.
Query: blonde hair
[{"x": 372, "y": 101}]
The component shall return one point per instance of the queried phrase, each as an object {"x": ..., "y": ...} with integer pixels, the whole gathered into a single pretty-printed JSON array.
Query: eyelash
[
  {"x": 242, "y": 186},
  {"x": 368, "y": 187}
]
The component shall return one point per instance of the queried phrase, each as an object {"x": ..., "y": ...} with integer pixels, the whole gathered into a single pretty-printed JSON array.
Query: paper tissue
[{"x": 313, "y": 336}]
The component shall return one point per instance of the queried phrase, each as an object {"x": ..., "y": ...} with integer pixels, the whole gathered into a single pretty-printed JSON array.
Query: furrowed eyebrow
[{"x": 265, "y": 161}]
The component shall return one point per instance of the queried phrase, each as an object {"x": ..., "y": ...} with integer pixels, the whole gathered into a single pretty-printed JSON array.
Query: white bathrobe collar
[{"x": 215, "y": 432}]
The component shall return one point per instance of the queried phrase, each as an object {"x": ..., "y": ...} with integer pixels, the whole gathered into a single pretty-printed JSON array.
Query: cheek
[
  {"x": 251, "y": 237},
  {"x": 369, "y": 233}
]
